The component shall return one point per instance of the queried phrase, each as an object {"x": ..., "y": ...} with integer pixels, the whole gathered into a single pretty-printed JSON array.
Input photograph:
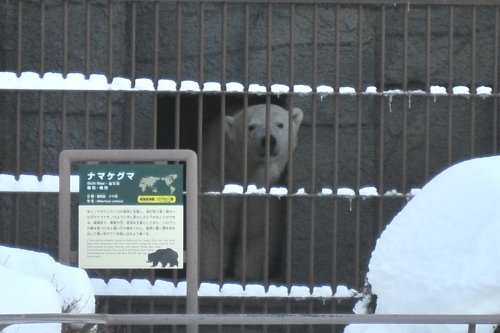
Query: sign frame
[{"x": 67, "y": 157}]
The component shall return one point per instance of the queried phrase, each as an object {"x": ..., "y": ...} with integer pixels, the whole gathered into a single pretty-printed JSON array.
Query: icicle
[{"x": 390, "y": 103}]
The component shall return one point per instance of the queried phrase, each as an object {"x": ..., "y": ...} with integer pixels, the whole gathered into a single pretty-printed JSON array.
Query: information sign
[{"x": 131, "y": 216}]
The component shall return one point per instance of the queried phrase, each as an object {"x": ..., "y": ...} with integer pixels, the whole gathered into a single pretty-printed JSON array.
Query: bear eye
[
  {"x": 251, "y": 128},
  {"x": 280, "y": 125}
]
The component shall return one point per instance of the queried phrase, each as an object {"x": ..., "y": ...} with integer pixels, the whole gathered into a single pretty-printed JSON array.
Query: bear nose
[{"x": 272, "y": 143}]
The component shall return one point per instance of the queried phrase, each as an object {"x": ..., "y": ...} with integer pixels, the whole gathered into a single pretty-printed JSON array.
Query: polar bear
[{"x": 265, "y": 135}]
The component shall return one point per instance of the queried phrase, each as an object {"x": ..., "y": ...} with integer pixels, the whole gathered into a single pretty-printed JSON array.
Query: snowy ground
[
  {"x": 441, "y": 253},
  {"x": 32, "y": 282}
]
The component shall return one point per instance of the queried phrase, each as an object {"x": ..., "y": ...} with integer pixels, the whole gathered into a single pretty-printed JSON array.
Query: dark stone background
[{"x": 345, "y": 141}]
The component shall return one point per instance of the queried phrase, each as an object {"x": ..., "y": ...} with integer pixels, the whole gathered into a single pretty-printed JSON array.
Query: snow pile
[
  {"x": 440, "y": 254},
  {"x": 32, "y": 282}
]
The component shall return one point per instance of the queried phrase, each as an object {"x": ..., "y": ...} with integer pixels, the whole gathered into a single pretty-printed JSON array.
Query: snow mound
[
  {"x": 440, "y": 254},
  {"x": 32, "y": 282},
  {"x": 34, "y": 296}
]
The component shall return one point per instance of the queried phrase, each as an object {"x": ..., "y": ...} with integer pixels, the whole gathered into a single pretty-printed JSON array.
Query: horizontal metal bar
[
  {"x": 347, "y": 2},
  {"x": 247, "y": 319}
]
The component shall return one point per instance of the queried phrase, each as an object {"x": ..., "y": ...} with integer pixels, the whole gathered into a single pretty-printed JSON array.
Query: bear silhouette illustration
[{"x": 165, "y": 257}]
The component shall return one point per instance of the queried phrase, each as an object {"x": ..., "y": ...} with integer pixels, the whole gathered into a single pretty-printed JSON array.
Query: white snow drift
[
  {"x": 32, "y": 282},
  {"x": 441, "y": 253}
]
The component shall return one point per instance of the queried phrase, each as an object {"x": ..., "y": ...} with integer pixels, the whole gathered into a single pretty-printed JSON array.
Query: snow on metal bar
[
  {"x": 99, "y": 82},
  {"x": 143, "y": 287},
  {"x": 50, "y": 184},
  {"x": 35, "y": 184}
]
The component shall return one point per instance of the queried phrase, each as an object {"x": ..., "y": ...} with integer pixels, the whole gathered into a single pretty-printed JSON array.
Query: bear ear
[
  {"x": 297, "y": 115},
  {"x": 229, "y": 127}
]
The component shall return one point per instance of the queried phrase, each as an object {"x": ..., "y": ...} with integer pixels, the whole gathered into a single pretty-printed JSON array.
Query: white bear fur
[{"x": 264, "y": 160}]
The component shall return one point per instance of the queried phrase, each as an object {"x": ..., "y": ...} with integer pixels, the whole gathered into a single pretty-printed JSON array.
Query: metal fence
[
  {"x": 392, "y": 92},
  {"x": 469, "y": 322}
]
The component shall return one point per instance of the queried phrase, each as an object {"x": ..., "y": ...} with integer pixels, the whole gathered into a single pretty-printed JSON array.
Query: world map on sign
[{"x": 154, "y": 184}]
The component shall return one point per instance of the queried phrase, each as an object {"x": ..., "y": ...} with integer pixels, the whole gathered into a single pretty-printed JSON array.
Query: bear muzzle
[{"x": 273, "y": 146}]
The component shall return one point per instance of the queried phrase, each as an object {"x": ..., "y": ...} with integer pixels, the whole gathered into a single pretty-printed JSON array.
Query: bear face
[{"x": 270, "y": 135}]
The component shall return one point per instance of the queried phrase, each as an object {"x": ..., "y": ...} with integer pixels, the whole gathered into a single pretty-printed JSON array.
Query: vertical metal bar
[
  {"x": 133, "y": 35},
  {"x": 178, "y": 100},
  {"x": 201, "y": 73},
  {"x": 87, "y": 38},
  {"x": 154, "y": 131},
  {"x": 18, "y": 117},
  {"x": 450, "y": 83},
  {"x": 41, "y": 101},
  {"x": 129, "y": 305},
  {"x": 178, "y": 7},
  {"x": 471, "y": 328},
  {"x": 87, "y": 74},
  {"x": 335, "y": 146},
  {"x": 201, "y": 78},
  {"x": 246, "y": 71},
  {"x": 288, "y": 246},
  {"x": 156, "y": 43},
  {"x": 18, "y": 133},
  {"x": 110, "y": 41},
  {"x": 314, "y": 123},
  {"x": 42, "y": 37},
  {"x": 65, "y": 38},
  {"x": 19, "y": 52},
  {"x": 133, "y": 40},
  {"x": 427, "y": 139},
  {"x": 224, "y": 46},
  {"x": 473, "y": 83},
  {"x": 244, "y": 207},
  {"x": 404, "y": 148},
  {"x": 109, "y": 73},
  {"x": 41, "y": 94},
  {"x": 290, "y": 171},
  {"x": 359, "y": 155},
  {"x": 221, "y": 209},
  {"x": 269, "y": 46},
  {"x": 381, "y": 149},
  {"x": 222, "y": 153},
  {"x": 201, "y": 43},
  {"x": 178, "y": 74},
  {"x": 64, "y": 112}
]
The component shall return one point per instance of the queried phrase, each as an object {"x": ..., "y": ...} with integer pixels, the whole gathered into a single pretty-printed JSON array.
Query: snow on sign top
[
  {"x": 440, "y": 254},
  {"x": 99, "y": 82}
]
